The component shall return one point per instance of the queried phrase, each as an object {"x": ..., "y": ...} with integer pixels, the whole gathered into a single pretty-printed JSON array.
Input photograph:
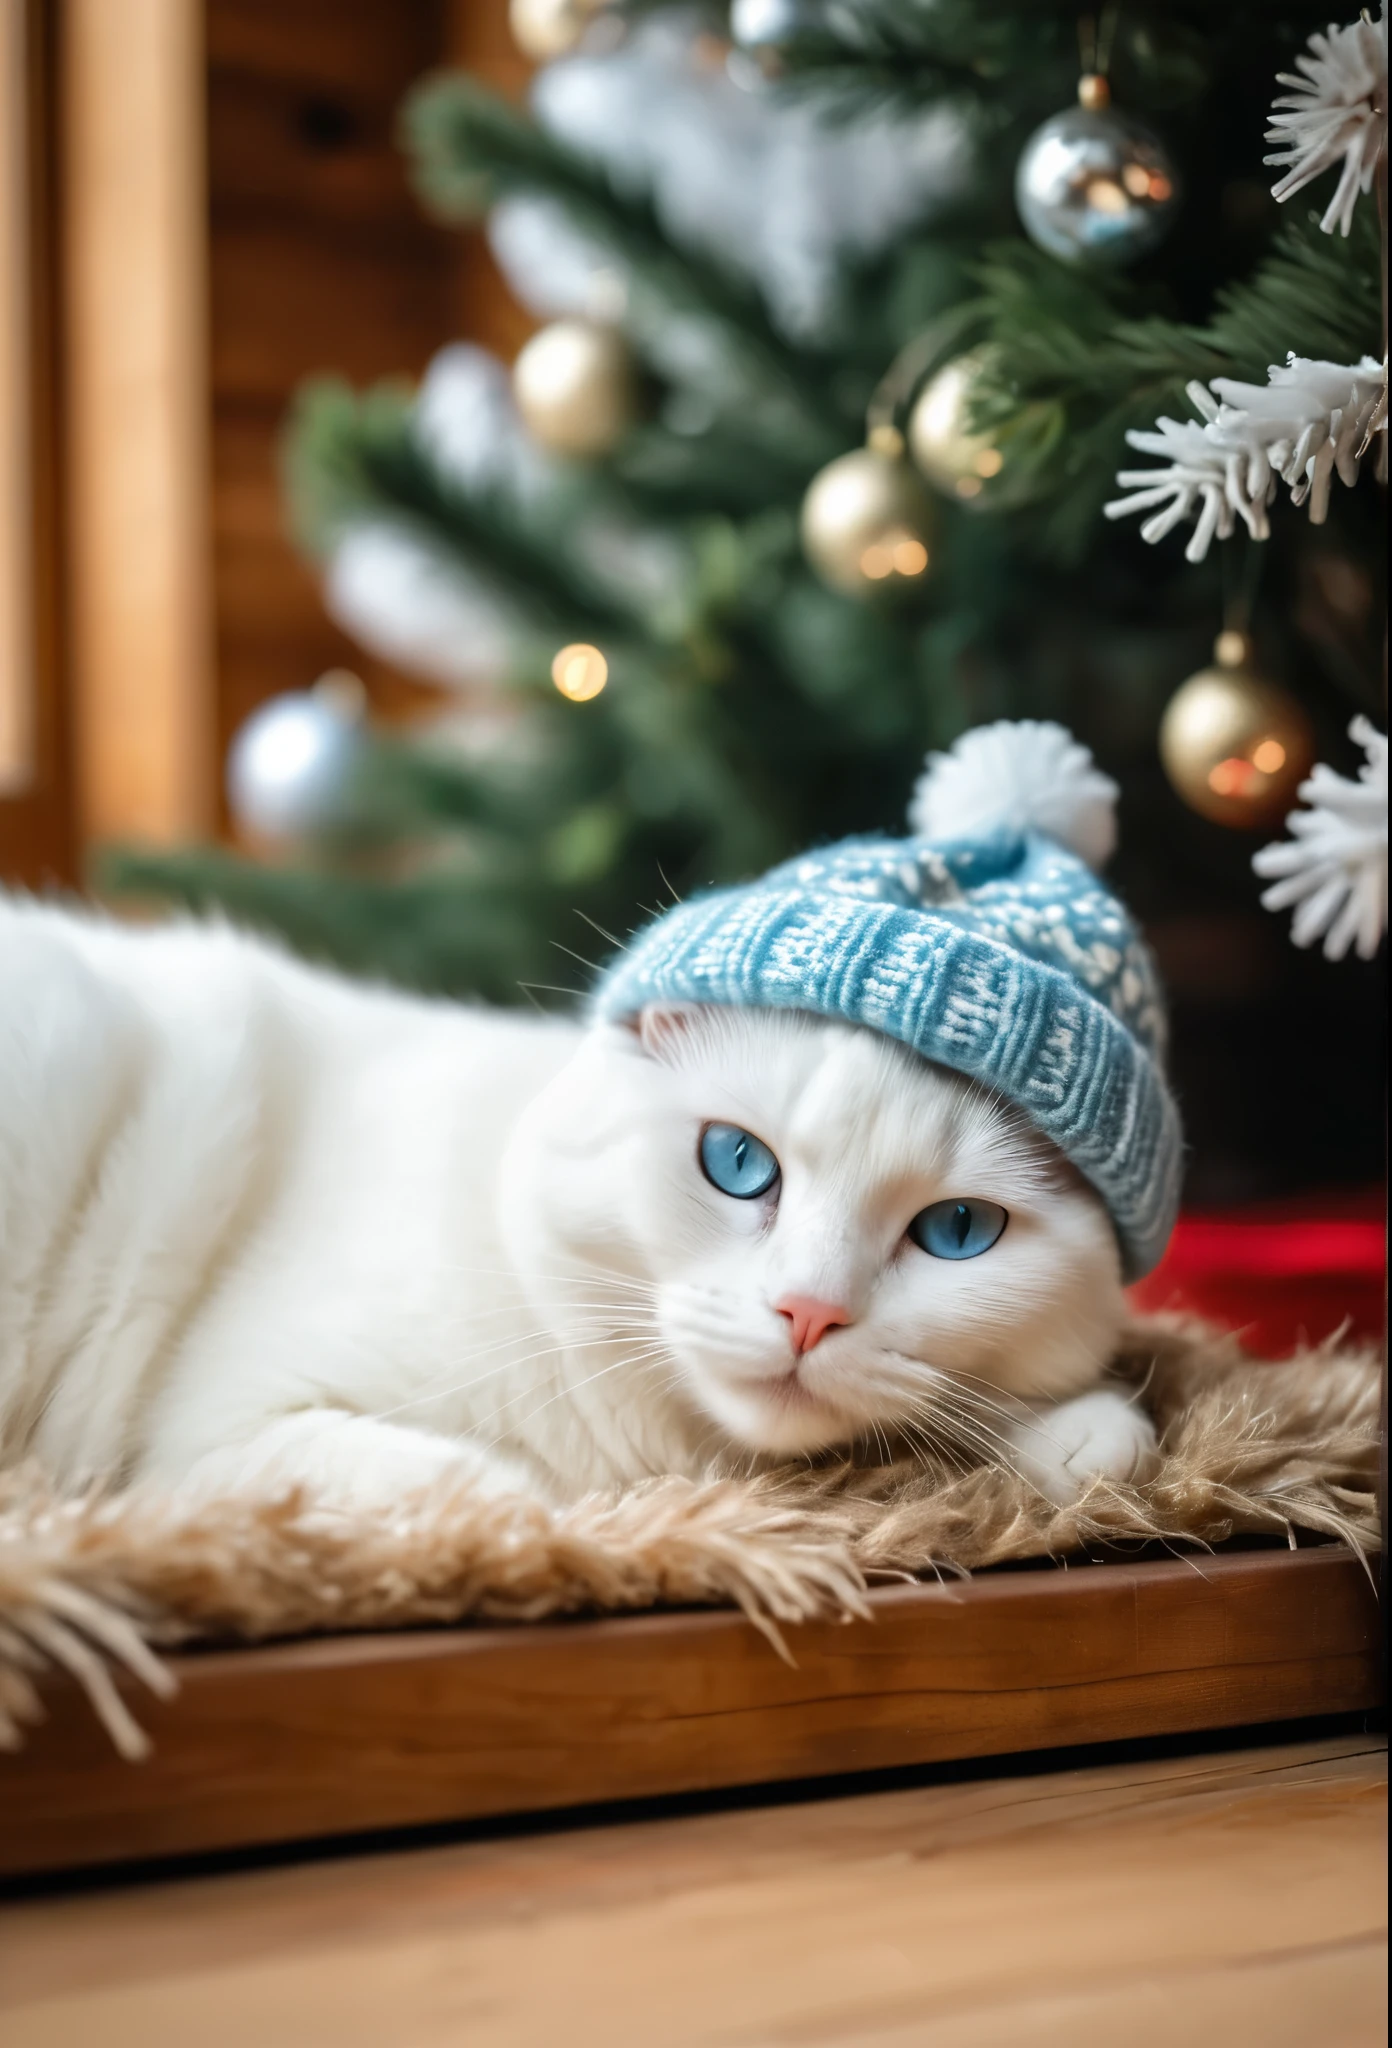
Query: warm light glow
[
  {"x": 1269, "y": 756},
  {"x": 988, "y": 462},
  {"x": 1104, "y": 195},
  {"x": 1234, "y": 777},
  {"x": 1230, "y": 647},
  {"x": 897, "y": 553},
  {"x": 1144, "y": 184},
  {"x": 579, "y": 672},
  {"x": 968, "y": 486}
]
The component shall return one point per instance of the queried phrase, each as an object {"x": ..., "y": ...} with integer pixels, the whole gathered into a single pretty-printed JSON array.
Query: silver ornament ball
[
  {"x": 1095, "y": 186},
  {"x": 288, "y": 763},
  {"x": 766, "y": 24}
]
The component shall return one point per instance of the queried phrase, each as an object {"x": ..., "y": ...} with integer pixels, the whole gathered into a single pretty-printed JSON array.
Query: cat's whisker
[
  {"x": 970, "y": 1428},
  {"x": 918, "y": 1446},
  {"x": 936, "y": 1446},
  {"x": 567, "y": 1391},
  {"x": 591, "y": 1276},
  {"x": 949, "y": 1382},
  {"x": 620, "y": 944},
  {"x": 600, "y": 1326},
  {"x": 956, "y": 1431},
  {"x": 990, "y": 1444},
  {"x": 981, "y": 1406},
  {"x": 439, "y": 1393},
  {"x": 1027, "y": 1419}
]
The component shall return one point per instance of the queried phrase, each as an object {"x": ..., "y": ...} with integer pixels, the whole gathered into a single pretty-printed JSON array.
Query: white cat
[{"x": 259, "y": 1223}]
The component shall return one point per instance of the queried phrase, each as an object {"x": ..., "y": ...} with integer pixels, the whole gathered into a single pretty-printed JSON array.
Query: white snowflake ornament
[
  {"x": 1337, "y": 109},
  {"x": 1020, "y": 774},
  {"x": 1334, "y": 870}
]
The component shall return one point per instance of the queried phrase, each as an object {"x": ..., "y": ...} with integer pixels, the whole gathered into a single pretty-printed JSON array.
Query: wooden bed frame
[{"x": 339, "y": 1735}]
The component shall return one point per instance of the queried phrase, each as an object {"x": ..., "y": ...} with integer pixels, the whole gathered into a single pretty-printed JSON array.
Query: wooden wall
[
  {"x": 320, "y": 260},
  {"x": 220, "y": 210}
]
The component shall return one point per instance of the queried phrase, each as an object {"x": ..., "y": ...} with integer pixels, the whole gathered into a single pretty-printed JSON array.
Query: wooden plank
[
  {"x": 351, "y": 1733},
  {"x": 1232, "y": 1898}
]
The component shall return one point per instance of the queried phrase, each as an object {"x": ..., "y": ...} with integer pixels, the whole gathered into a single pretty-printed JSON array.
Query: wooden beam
[
  {"x": 135, "y": 235},
  {"x": 358, "y": 1732}
]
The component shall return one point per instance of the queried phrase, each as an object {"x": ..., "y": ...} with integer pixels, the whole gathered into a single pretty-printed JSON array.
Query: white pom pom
[{"x": 1025, "y": 774}]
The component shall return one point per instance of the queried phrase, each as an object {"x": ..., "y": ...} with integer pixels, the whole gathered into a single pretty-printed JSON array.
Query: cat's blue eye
[
  {"x": 737, "y": 1162},
  {"x": 958, "y": 1230}
]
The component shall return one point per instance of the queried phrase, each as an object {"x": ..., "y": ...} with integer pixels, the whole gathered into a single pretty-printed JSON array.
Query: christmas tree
[{"x": 850, "y": 310}]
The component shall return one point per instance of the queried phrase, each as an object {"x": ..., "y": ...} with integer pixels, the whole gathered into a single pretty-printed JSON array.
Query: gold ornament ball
[
  {"x": 546, "y": 29},
  {"x": 1233, "y": 744},
  {"x": 955, "y": 461},
  {"x": 575, "y": 387},
  {"x": 867, "y": 523}
]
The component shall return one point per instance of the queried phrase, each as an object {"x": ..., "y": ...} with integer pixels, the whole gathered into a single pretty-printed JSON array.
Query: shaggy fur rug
[{"x": 93, "y": 1583}]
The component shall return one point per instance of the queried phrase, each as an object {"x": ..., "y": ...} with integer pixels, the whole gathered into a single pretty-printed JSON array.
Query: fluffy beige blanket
[{"x": 92, "y": 1583}]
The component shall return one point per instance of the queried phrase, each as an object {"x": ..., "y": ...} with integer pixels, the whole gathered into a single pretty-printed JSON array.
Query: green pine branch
[
  {"x": 1074, "y": 368},
  {"x": 901, "y": 53},
  {"x": 1013, "y": 58},
  {"x": 719, "y": 472},
  {"x": 350, "y": 457},
  {"x": 470, "y": 148}
]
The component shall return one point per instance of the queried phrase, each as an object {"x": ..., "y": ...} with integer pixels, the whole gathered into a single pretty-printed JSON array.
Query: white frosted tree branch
[
  {"x": 1335, "y": 112},
  {"x": 1308, "y": 423},
  {"x": 1333, "y": 871}
]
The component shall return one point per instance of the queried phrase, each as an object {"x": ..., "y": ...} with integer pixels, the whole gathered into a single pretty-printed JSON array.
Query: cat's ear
[{"x": 664, "y": 1030}]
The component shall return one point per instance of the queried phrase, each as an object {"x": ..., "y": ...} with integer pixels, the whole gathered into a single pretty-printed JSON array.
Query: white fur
[{"x": 258, "y": 1223}]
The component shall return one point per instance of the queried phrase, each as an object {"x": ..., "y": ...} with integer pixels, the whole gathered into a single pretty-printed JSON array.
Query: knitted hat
[{"x": 984, "y": 942}]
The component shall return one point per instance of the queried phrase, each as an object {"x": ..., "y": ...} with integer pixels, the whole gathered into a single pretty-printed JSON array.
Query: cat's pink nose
[{"x": 811, "y": 1319}]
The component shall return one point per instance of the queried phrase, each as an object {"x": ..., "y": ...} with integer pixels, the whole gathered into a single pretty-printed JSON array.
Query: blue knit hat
[{"x": 984, "y": 941}]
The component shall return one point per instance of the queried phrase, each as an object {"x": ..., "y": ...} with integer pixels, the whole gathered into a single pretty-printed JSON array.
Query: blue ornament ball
[{"x": 288, "y": 763}]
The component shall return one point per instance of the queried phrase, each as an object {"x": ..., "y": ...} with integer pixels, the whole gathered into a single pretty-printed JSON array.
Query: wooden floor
[{"x": 1224, "y": 1898}]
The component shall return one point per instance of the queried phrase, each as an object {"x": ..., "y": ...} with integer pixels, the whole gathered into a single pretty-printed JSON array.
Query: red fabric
[{"x": 1280, "y": 1273}]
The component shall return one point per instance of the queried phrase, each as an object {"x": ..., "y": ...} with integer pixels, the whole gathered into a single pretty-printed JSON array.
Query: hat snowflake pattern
[{"x": 985, "y": 942}]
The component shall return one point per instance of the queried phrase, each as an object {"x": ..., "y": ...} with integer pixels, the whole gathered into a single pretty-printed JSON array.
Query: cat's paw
[
  {"x": 1099, "y": 1436},
  {"x": 355, "y": 1462}
]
